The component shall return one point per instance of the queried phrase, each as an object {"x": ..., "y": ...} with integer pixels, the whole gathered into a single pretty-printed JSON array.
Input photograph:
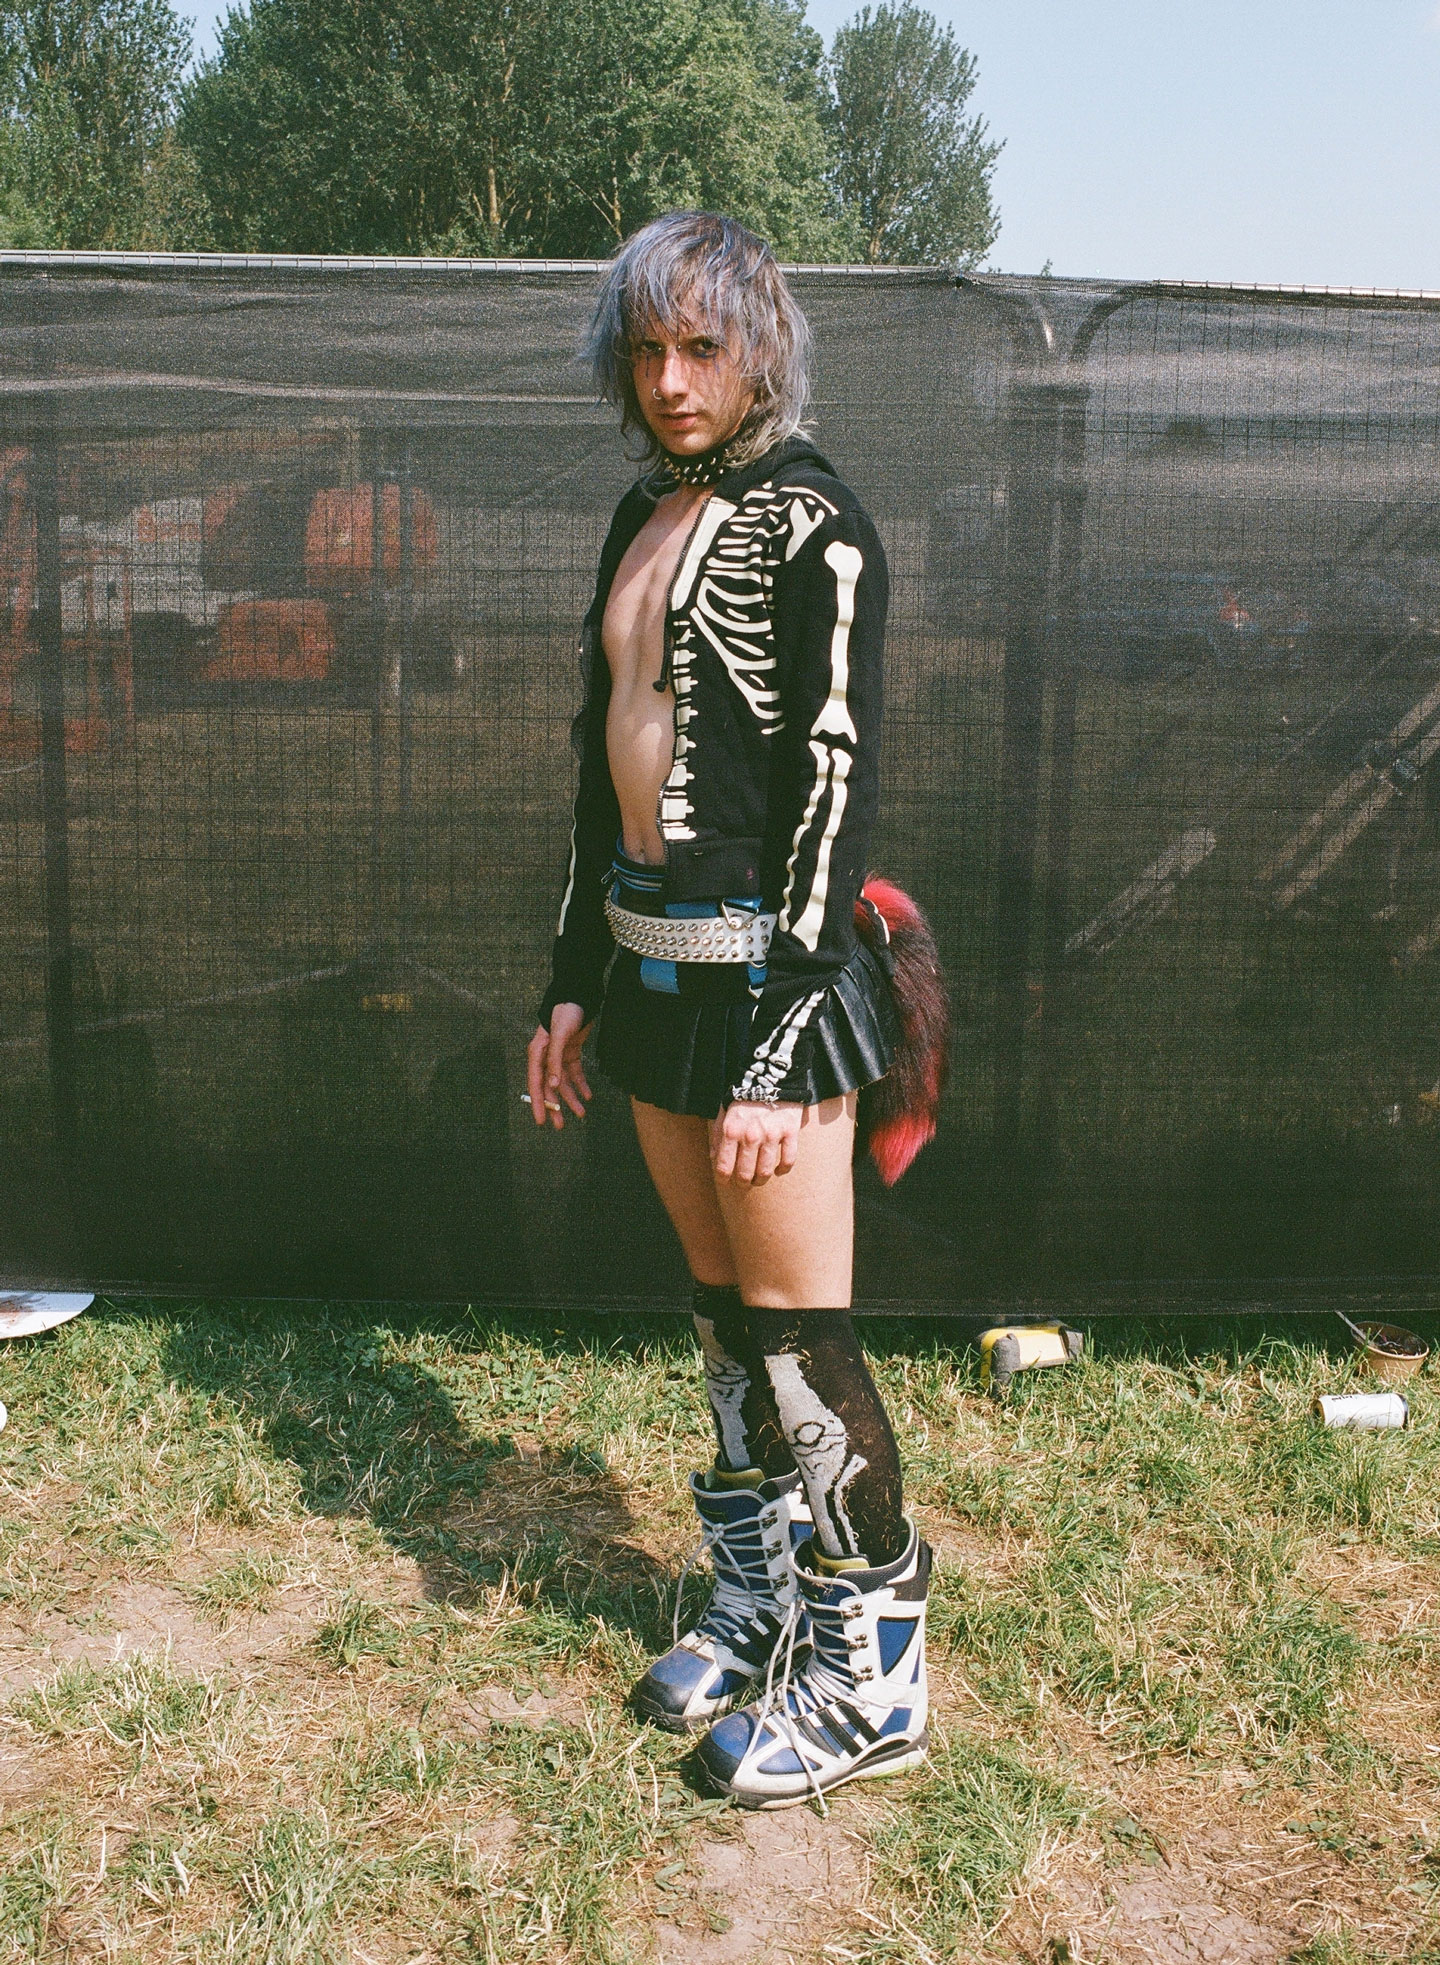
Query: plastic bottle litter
[{"x": 1364, "y": 1412}]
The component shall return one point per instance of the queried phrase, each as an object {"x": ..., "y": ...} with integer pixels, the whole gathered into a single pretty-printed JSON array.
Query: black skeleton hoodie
[{"x": 774, "y": 642}]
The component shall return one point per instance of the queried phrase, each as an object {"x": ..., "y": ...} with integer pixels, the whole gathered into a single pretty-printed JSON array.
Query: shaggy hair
[{"x": 702, "y": 270}]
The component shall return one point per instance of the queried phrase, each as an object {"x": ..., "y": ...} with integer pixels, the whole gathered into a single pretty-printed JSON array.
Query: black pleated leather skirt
[{"x": 684, "y": 1053}]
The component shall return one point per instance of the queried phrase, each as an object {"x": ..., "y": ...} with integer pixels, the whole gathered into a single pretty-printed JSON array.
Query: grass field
[{"x": 316, "y": 1624}]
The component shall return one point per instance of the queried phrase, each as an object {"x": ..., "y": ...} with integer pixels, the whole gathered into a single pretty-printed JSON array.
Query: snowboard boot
[
  {"x": 750, "y": 1533},
  {"x": 855, "y": 1707}
]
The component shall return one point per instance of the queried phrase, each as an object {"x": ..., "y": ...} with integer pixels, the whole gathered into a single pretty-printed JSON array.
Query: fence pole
[
  {"x": 372, "y": 466},
  {"x": 404, "y": 685},
  {"x": 1071, "y": 400},
  {"x": 54, "y": 793},
  {"x": 1032, "y": 444}
]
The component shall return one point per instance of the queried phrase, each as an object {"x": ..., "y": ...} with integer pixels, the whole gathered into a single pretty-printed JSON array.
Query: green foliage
[
  {"x": 913, "y": 170},
  {"x": 20, "y": 224},
  {"x": 544, "y": 129},
  {"x": 552, "y": 128},
  {"x": 91, "y": 157},
  {"x": 298, "y": 1881},
  {"x": 245, "y": 1586},
  {"x": 357, "y": 1628},
  {"x": 39, "y": 1875}
]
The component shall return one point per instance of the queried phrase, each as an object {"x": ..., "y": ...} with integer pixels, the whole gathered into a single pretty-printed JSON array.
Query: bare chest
[{"x": 633, "y": 631}]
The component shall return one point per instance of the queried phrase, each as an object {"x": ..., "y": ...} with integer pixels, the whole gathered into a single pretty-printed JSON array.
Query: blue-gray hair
[{"x": 712, "y": 273}]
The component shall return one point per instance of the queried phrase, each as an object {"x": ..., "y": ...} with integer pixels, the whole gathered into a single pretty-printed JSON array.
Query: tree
[
  {"x": 913, "y": 171},
  {"x": 549, "y": 127},
  {"x": 91, "y": 156}
]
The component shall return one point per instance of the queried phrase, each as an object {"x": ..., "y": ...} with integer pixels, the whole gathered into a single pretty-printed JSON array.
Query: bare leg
[
  {"x": 784, "y": 1368},
  {"x": 677, "y": 1152},
  {"x": 747, "y": 1426},
  {"x": 792, "y": 1236},
  {"x": 787, "y": 1241}
]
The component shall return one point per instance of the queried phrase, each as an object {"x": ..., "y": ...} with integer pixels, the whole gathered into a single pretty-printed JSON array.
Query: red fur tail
[{"x": 899, "y": 1113}]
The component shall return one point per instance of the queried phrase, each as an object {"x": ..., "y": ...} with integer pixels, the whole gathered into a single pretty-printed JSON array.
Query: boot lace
[
  {"x": 743, "y": 1593},
  {"x": 826, "y": 1674}
]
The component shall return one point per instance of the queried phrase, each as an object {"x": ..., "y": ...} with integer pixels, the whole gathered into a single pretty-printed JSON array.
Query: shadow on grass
[
  {"x": 457, "y": 1476},
  {"x": 471, "y": 1441}
]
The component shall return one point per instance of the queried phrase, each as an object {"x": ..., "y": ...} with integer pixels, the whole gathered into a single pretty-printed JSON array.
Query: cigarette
[{"x": 551, "y": 1104}]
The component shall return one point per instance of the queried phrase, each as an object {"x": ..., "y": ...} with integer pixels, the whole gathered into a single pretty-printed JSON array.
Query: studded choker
[{"x": 706, "y": 468}]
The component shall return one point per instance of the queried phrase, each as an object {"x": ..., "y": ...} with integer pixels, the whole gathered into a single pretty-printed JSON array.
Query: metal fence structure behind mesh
[{"x": 294, "y": 558}]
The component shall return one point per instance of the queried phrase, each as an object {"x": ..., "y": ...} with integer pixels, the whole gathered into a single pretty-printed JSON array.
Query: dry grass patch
[{"x": 315, "y": 1630}]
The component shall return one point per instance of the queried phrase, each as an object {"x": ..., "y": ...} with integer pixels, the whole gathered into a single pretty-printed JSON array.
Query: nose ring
[{"x": 656, "y": 394}]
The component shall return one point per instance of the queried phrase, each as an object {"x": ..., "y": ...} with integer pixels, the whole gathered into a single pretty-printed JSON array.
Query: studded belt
[{"x": 731, "y": 934}]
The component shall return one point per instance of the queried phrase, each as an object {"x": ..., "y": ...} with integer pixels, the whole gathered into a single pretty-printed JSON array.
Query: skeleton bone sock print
[
  {"x": 837, "y": 1428},
  {"x": 747, "y": 1425}
]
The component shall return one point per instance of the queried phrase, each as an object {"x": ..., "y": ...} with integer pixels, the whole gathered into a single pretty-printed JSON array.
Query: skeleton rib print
[
  {"x": 725, "y": 588},
  {"x": 773, "y": 663}
]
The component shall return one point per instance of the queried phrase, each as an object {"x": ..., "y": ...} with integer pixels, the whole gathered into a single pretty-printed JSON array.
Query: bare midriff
[{"x": 640, "y": 725}]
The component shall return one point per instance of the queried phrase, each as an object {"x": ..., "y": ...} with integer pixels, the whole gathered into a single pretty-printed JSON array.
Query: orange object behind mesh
[
  {"x": 273, "y": 641},
  {"x": 340, "y": 539}
]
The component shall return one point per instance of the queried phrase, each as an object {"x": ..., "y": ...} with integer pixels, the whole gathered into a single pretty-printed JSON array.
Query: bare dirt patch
[
  {"x": 1387, "y": 1597},
  {"x": 525, "y": 1500},
  {"x": 1210, "y": 1889},
  {"x": 491, "y": 1705},
  {"x": 964, "y": 1549},
  {"x": 773, "y": 1889},
  {"x": 1201, "y": 1911},
  {"x": 131, "y": 1618},
  {"x": 24, "y": 1778}
]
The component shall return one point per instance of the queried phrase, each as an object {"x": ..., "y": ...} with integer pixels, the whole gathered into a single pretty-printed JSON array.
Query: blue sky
[{"x": 1263, "y": 140}]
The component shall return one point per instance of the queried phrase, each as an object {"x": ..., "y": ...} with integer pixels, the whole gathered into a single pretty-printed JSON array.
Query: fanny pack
[{"x": 687, "y": 931}]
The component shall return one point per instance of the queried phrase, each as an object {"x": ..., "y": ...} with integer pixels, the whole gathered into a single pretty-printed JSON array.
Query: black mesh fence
[{"x": 294, "y": 559}]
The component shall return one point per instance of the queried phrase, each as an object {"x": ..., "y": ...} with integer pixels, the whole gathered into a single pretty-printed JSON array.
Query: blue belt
[{"x": 631, "y": 882}]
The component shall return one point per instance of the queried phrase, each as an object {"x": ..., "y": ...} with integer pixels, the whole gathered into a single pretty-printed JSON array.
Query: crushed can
[{"x": 1024, "y": 1347}]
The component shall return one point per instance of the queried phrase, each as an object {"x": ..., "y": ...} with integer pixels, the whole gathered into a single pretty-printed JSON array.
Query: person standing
[{"x": 729, "y": 767}]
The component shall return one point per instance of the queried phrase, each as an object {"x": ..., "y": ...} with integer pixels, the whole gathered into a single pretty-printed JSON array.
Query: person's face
[{"x": 690, "y": 388}]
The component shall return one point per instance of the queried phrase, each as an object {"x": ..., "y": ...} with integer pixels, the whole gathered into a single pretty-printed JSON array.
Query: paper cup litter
[{"x": 1390, "y": 1352}]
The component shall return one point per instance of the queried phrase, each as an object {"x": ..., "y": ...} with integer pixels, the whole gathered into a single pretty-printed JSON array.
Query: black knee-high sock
[
  {"x": 835, "y": 1424},
  {"x": 747, "y": 1425}
]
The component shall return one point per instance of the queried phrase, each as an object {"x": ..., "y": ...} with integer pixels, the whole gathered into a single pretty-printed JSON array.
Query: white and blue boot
[
  {"x": 856, "y": 1706},
  {"x": 750, "y": 1534}
]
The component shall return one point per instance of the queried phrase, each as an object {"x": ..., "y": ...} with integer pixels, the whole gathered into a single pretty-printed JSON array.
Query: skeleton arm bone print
[
  {"x": 829, "y": 610},
  {"x": 775, "y": 632}
]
